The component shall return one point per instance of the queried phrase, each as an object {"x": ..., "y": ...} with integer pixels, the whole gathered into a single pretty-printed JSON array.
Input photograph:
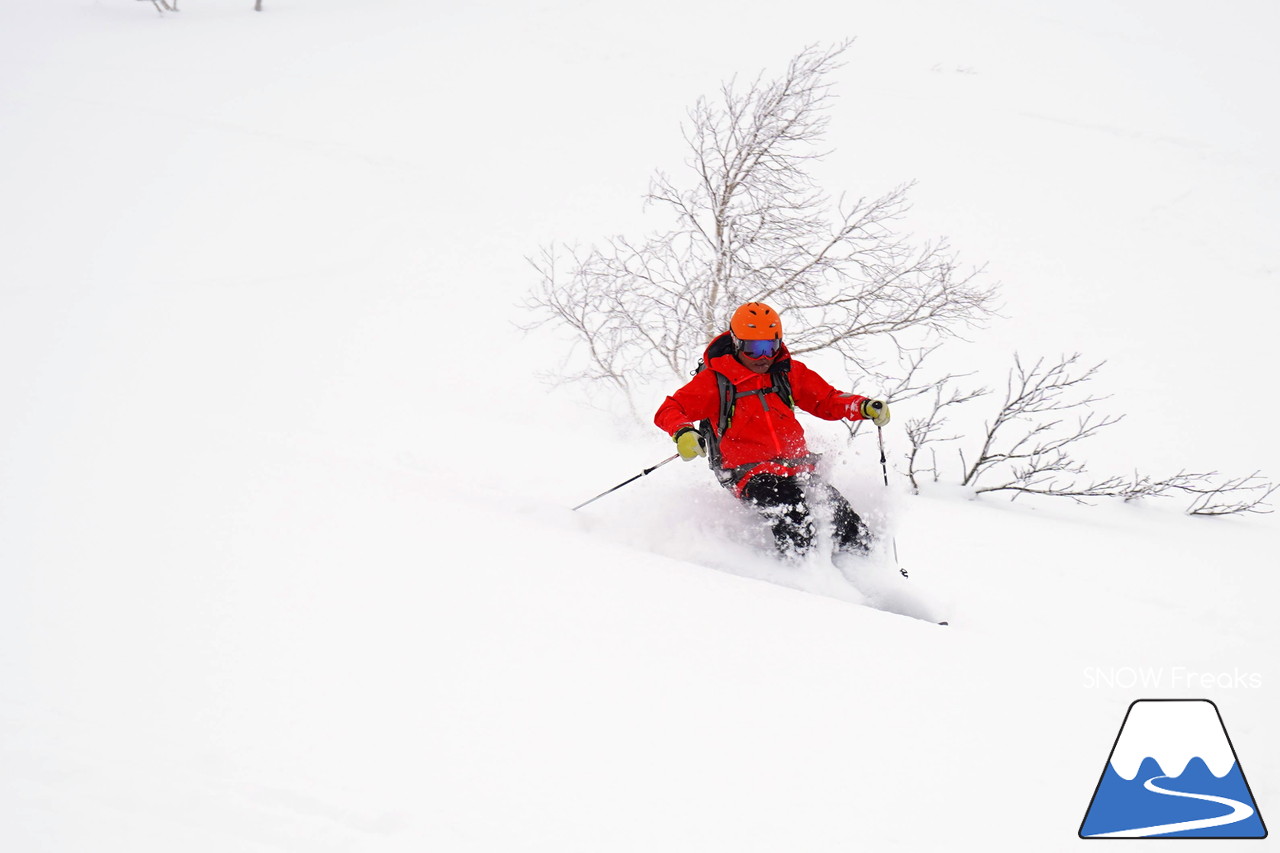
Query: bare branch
[
  {"x": 925, "y": 431},
  {"x": 748, "y": 222},
  {"x": 1029, "y": 395},
  {"x": 1231, "y": 496},
  {"x": 1027, "y": 449}
]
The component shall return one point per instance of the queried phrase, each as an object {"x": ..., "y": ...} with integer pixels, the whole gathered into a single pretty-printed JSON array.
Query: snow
[{"x": 285, "y": 546}]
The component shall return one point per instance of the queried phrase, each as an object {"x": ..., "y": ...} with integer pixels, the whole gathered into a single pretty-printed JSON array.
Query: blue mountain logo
[{"x": 1173, "y": 773}]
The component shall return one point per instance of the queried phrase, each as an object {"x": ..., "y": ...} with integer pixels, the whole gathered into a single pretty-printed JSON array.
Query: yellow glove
[
  {"x": 689, "y": 443},
  {"x": 876, "y": 411}
]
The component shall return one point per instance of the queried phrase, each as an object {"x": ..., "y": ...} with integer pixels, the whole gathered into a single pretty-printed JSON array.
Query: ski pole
[
  {"x": 884, "y": 469},
  {"x": 884, "y": 462},
  {"x": 650, "y": 469}
]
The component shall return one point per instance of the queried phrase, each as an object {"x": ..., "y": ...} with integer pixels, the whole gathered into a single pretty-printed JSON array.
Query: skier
[{"x": 744, "y": 394}]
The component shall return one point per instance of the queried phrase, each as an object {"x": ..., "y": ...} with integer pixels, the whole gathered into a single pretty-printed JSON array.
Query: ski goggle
[{"x": 759, "y": 349}]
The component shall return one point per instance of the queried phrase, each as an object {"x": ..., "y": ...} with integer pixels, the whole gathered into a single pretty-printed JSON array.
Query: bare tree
[
  {"x": 1035, "y": 459},
  {"x": 925, "y": 431},
  {"x": 1029, "y": 446},
  {"x": 751, "y": 224},
  {"x": 1214, "y": 494}
]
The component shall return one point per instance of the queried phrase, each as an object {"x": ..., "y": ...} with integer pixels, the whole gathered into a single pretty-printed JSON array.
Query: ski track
[{"x": 1240, "y": 811}]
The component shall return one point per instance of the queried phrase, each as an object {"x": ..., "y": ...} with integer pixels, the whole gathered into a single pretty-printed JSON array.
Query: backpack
[{"x": 711, "y": 432}]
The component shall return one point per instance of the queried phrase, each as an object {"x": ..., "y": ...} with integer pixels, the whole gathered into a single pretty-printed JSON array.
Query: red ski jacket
[{"x": 764, "y": 434}]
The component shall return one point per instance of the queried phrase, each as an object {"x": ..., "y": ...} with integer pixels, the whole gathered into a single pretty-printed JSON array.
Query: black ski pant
[{"x": 785, "y": 503}]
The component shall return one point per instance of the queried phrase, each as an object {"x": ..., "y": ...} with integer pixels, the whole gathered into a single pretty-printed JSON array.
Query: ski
[{"x": 887, "y": 587}]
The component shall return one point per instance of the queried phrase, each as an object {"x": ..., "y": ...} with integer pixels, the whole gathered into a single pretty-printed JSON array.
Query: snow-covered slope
[{"x": 286, "y": 560}]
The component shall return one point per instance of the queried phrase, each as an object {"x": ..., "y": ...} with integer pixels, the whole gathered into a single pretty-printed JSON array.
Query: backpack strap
[
  {"x": 782, "y": 383},
  {"x": 781, "y": 386},
  {"x": 712, "y": 431}
]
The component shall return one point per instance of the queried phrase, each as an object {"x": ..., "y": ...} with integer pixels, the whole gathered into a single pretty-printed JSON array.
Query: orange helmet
[{"x": 756, "y": 321}]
